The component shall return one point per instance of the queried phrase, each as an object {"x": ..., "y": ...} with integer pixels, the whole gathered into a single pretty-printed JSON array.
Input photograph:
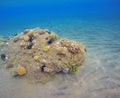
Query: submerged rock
[
  {"x": 65, "y": 70},
  {"x": 16, "y": 38},
  {"x": 9, "y": 65},
  {"x": 43, "y": 53}
]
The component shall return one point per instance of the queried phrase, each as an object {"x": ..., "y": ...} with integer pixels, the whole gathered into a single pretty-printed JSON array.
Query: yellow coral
[
  {"x": 62, "y": 50},
  {"x": 26, "y": 38},
  {"x": 46, "y": 48},
  {"x": 30, "y": 33},
  {"x": 54, "y": 36},
  {"x": 35, "y": 35},
  {"x": 36, "y": 58},
  {"x": 15, "y": 61},
  {"x": 21, "y": 70}
]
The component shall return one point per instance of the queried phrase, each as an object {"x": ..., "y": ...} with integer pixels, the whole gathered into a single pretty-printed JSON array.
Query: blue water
[
  {"x": 96, "y": 24},
  {"x": 17, "y": 15}
]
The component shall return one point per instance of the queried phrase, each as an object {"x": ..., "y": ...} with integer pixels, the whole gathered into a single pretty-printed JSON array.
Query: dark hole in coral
[
  {"x": 61, "y": 55},
  {"x": 50, "y": 41},
  {"x": 3, "y": 56},
  {"x": 85, "y": 50},
  {"x": 49, "y": 32},
  {"x": 46, "y": 38},
  {"x": 42, "y": 68},
  {"x": 15, "y": 75},
  {"x": 31, "y": 39},
  {"x": 30, "y": 46},
  {"x": 59, "y": 59}
]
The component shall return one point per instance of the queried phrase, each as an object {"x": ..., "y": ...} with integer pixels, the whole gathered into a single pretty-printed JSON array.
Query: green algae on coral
[
  {"x": 74, "y": 68},
  {"x": 54, "y": 36}
]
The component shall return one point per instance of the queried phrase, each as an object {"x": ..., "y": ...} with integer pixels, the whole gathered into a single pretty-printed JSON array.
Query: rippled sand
[{"x": 99, "y": 77}]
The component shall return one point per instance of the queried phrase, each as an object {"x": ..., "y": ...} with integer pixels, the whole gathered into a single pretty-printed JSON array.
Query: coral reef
[
  {"x": 36, "y": 58},
  {"x": 26, "y": 38},
  {"x": 46, "y": 48},
  {"x": 42, "y": 53},
  {"x": 72, "y": 47}
]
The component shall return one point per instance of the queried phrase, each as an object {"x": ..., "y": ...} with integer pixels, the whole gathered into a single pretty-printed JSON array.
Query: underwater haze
[
  {"x": 95, "y": 23},
  {"x": 17, "y": 15}
]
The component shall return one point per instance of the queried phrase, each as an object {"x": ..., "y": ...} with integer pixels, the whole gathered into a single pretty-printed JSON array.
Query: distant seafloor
[{"x": 99, "y": 77}]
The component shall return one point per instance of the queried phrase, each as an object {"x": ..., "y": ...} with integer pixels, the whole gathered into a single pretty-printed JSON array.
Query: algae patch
[{"x": 39, "y": 54}]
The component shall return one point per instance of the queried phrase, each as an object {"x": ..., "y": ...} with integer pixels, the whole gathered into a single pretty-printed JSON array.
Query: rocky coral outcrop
[{"x": 43, "y": 54}]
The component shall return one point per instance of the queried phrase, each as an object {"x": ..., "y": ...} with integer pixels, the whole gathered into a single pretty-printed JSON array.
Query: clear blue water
[{"x": 96, "y": 24}]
